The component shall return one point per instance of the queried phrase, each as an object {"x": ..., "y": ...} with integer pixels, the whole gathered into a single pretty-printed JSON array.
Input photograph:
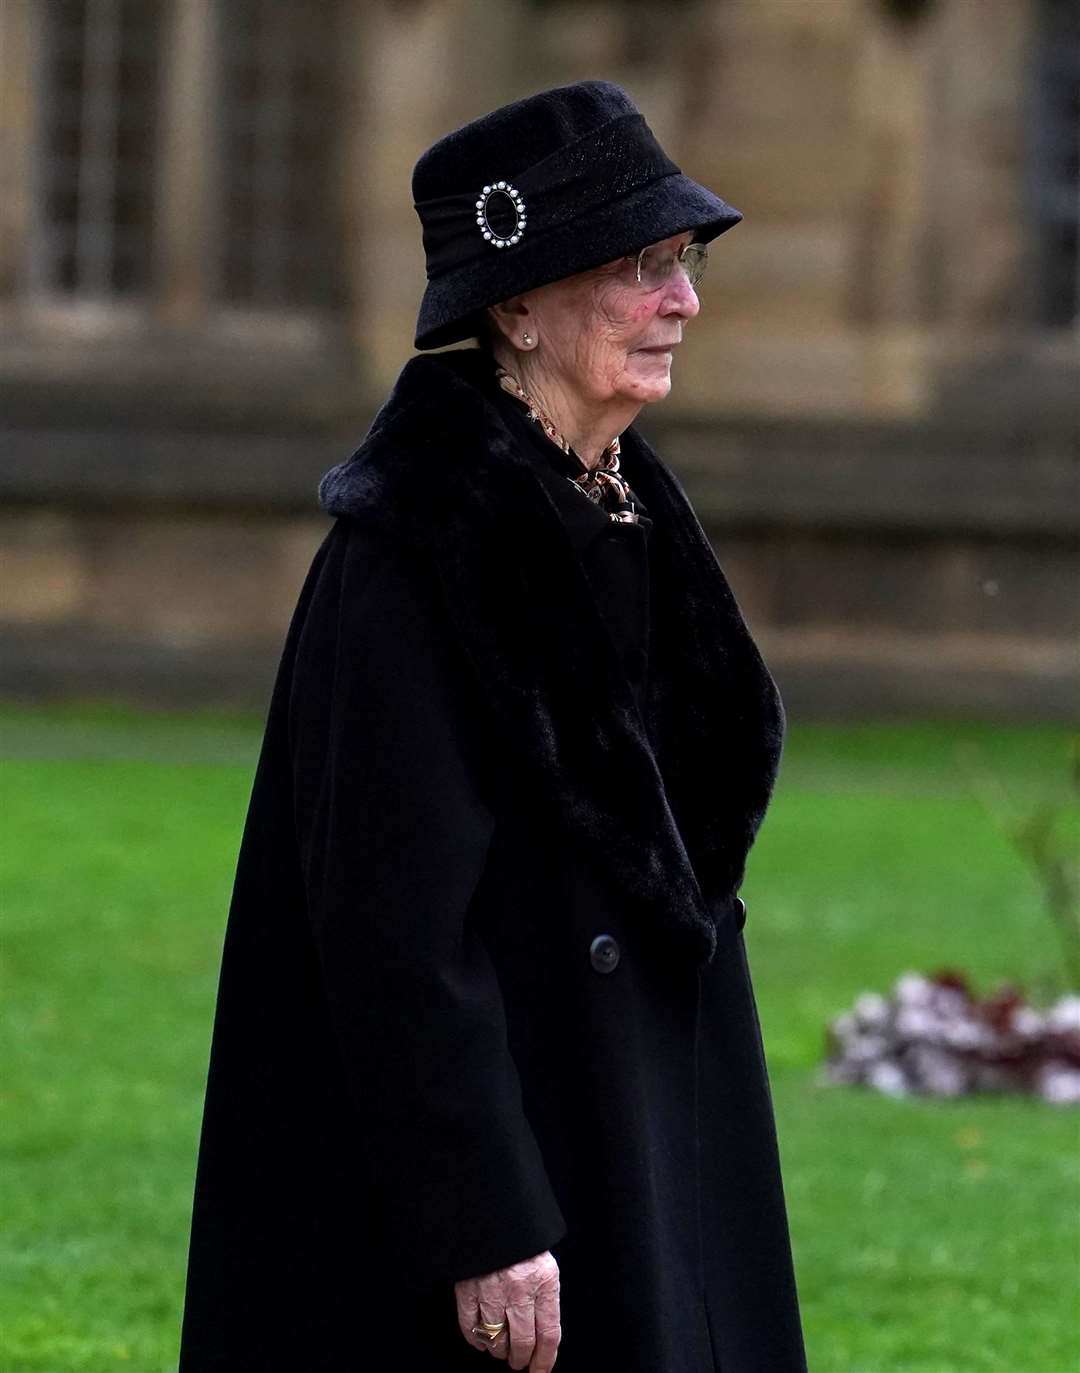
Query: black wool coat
[{"x": 484, "y": 989}]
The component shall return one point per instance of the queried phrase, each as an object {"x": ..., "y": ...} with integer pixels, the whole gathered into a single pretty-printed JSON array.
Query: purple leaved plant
[{"x": 934, "y": 1037}]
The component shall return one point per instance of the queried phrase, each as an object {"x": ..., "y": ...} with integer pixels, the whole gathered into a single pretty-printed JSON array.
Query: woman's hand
[{"x": 526, "y": 1296}]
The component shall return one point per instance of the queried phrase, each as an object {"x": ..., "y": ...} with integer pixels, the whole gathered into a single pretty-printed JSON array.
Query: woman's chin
[{"x": 649, "y": 375}]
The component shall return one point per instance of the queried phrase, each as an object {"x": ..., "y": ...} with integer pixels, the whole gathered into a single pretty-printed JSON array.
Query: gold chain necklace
[{"x": 593, "y": 482}]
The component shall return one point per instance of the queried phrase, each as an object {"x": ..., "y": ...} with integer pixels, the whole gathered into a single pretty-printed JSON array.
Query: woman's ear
[{"x": 510, "y": 318}]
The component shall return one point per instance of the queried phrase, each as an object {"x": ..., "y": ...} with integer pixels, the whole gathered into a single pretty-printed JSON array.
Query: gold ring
[{"x": 489, "y": 1329}]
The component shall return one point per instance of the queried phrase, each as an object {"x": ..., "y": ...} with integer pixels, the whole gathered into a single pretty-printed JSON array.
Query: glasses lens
[
  {"x": 694, "y": 257},
  {"x": 656, "y": 267}
]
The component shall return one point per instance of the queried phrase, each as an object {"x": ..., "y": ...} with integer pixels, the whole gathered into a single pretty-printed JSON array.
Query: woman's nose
[{"x": 680, "y": 298}]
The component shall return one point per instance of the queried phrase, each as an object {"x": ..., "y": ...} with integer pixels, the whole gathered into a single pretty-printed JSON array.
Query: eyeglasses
[{"x": 655, "y": 265}]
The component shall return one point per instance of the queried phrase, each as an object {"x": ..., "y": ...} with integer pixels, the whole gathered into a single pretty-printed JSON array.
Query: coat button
[
  {"x": 604, "y": 953},
  {"x": 740, "y": 912}
]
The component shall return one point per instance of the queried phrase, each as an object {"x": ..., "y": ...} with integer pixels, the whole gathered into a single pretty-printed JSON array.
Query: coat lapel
[{"x": 665, "y": 804}]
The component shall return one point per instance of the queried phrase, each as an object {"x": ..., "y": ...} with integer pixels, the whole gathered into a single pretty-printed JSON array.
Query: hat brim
[{"x": 453, "y": 303}]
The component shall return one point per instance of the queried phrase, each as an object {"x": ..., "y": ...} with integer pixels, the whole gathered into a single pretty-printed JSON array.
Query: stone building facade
[{"x": 210, "y": 264}]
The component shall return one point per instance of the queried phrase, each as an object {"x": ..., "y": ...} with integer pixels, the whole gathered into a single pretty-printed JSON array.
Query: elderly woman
[{"x": 487, "y": 1077}]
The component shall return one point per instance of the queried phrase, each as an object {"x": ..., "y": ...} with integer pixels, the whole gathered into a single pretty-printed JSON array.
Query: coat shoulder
[{"x": 438, "y": 463}]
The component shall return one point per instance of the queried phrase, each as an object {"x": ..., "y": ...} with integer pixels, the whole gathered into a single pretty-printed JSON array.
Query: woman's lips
[{"x": 658, "y": 348}]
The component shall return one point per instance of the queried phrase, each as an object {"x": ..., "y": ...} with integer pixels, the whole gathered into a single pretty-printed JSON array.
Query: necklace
[{"x": 595, "y": 483}]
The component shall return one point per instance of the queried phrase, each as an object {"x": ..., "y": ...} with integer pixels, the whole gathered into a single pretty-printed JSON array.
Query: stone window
[
  {"x": 96, "y": 161},
  {"x": 277, "y": 215},
  {"x": 185, "y": 147},
  {"x": 1056, "y": 162}
]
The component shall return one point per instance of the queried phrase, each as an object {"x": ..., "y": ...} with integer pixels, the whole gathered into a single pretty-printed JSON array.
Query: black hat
[{"x": 540, "y": 189}]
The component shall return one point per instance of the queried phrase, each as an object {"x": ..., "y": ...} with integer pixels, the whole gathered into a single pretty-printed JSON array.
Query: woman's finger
[
  {"x": 468, "y": 1314},
  {"x": 548, "y": 1320},
  {"x": 493, "y": 1311},
  {"x": 520, "y": 1313}
]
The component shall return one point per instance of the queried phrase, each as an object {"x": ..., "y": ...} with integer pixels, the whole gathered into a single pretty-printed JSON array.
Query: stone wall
[
  {"x": 886, "y": 570},
  {"x": 877, "y": 426}
]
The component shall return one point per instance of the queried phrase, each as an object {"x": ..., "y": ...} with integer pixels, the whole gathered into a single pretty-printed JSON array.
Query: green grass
[{"x": 937, "y": 1237}]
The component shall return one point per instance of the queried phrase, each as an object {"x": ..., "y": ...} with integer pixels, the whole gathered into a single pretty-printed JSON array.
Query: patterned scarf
[{"x": 603, "y": 484}]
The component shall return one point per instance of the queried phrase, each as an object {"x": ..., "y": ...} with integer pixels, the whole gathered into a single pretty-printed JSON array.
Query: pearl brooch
[{"x": 504, "y": 240}]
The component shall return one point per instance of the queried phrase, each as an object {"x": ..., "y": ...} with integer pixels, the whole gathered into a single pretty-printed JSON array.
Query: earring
[{"x": 526, "y": 338}]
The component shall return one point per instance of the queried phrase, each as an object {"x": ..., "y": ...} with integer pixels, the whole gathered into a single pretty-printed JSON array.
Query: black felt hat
[{"x": 540, "y": 189}]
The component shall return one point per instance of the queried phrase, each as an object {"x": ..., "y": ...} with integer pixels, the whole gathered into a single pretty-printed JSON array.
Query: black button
[
  {"x": 740, "y": 912},
  {"x": 604, "y": 953}
]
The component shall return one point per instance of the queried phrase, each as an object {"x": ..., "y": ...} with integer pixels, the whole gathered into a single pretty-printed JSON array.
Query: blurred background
[
  {"x": 210, "y": 267},
  {"x": 209, "y": 273}
]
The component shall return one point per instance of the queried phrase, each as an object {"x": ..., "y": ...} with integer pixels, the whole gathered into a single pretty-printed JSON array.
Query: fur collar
[{"x": 667, "y": 800}]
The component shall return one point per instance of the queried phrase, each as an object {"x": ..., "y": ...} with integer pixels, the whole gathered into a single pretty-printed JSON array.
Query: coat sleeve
[{"x": 394, "y": 825}]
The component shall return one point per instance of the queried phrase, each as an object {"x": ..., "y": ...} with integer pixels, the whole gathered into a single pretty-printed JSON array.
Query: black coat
[{"x": 484, "y": 990}]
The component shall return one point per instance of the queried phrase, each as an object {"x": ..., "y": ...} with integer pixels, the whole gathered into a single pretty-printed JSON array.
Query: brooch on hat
[{"x": 496, "y": 239}]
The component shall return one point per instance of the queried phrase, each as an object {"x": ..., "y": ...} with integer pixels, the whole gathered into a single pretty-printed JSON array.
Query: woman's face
[{"x": 607, "y": 338}]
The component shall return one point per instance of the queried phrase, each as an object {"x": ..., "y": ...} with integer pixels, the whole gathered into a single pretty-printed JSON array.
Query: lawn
[{"x": 930, "y": 1237}]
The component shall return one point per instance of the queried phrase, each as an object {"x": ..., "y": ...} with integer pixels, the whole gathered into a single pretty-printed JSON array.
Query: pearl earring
[{"x": 526, "y": 338}]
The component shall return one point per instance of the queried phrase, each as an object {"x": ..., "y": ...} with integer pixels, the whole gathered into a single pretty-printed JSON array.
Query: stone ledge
[
  {"x": 770, "y": 474},
  {"x": 830, "y": 683}
]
